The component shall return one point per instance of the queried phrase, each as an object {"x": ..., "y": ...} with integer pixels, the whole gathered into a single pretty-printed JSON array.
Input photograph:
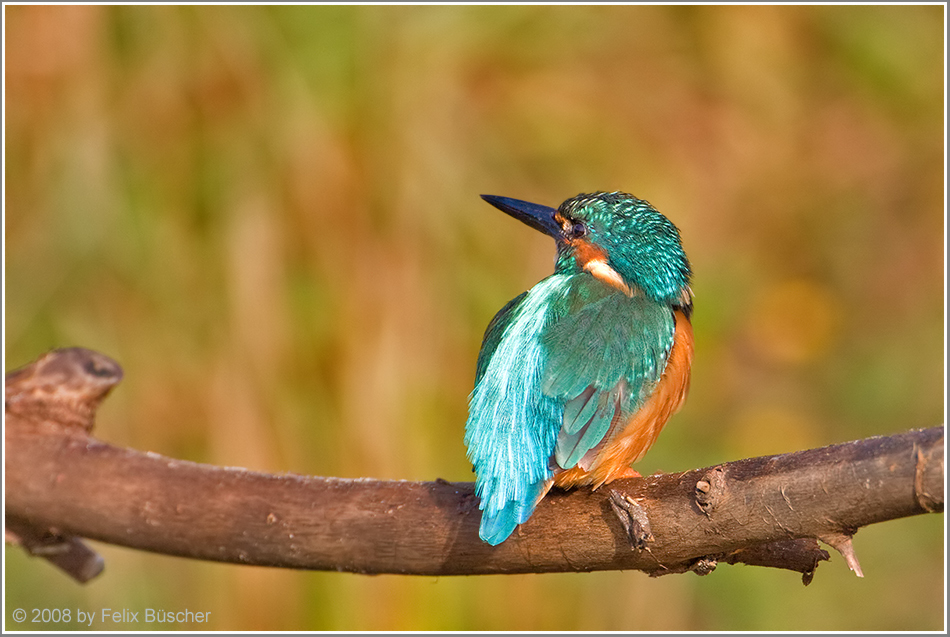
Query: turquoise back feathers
[{"x": 581, "y": 351}]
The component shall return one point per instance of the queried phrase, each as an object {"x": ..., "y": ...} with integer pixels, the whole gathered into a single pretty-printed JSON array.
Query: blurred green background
[{"x": 270, "y": 218}]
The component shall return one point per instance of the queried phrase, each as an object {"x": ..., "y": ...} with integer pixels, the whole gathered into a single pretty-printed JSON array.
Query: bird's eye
[{"x": 578, "y": 229}]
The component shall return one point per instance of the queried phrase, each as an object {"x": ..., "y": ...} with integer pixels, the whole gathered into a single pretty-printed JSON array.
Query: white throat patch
[{"x": 605, "y": 273}]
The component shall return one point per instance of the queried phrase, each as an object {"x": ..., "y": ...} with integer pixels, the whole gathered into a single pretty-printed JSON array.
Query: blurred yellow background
[{"x": 270, "y": 218}]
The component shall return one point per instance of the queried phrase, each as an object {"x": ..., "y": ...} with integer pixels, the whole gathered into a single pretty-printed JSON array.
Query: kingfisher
[{"x": 577, "y": 376}]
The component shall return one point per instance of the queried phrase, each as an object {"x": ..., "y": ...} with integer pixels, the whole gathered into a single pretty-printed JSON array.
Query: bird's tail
[{"x": 497, "y": 525}]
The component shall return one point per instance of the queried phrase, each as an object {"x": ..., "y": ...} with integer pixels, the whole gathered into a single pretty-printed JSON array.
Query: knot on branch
[
  {"x": 710, "y": 490},
  {"x": 63, "y": 387},
  {"x": 704, "y": 565},
  {"x": 633, "y": 518},
  {"x": 928, "y": 479}
]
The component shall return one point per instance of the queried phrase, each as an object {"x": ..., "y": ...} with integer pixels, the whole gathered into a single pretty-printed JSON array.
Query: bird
[{"x": 577, "y": 376}]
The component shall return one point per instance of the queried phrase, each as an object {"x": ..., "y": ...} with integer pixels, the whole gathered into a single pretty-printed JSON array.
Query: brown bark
[{"x": 62, "y": 484}]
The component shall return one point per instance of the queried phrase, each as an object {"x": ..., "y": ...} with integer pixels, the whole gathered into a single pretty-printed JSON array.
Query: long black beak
[{"x": 535, "y": 215}]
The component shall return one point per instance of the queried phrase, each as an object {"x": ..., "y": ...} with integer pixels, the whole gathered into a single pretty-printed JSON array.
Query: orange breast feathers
[{"x": 625, "y": 444}]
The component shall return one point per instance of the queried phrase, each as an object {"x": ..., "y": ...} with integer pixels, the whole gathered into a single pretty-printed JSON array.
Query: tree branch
[{"x": 62, "y": 484}]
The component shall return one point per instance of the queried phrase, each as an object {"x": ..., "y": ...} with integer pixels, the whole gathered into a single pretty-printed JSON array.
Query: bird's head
[{"x": 621, "y": 240}]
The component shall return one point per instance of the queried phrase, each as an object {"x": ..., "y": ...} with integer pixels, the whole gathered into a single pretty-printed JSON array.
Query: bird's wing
[
  {"x": 603, "y": 356},
  {"x": 493, "y": 333},
  {"x": 512, "y": 426}
]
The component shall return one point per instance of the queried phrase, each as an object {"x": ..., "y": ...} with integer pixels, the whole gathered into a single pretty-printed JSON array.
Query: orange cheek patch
[
  {"x": 594, "y": 260},
  {"x": 585, "y": 252}
]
